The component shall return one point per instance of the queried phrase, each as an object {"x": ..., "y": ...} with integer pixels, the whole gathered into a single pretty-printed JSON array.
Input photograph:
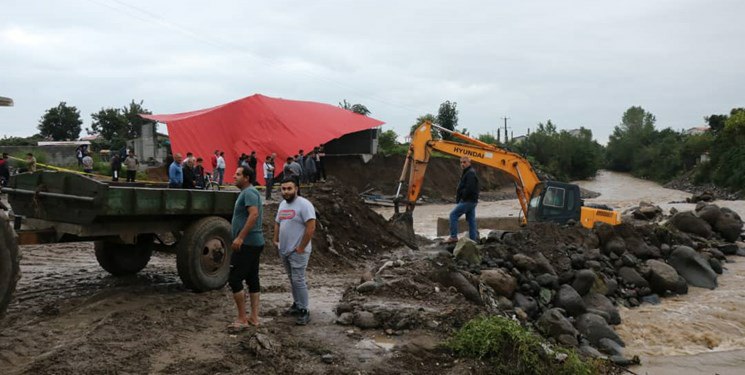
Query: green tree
[
  {"x": 388, "y": 143},
  {"x": 111, "y": 125},
  {"x": 421, "y": 120},
  {"x": 635, "y": 132},
  {"x": 132, "y": 113},
  {"x": 716, "y": 122},
  {"x": 447, "y": 117},
  {"x": 488, "y": 138},
  {"x": 356, "y": 108},
  {"x": 564, "y": 155},
  {"x": 61, "y": 123}
]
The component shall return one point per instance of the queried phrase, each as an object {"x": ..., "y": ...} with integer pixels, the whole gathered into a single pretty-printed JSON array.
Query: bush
[
  {"x": 513, "y": 349},
  {"x": 567, "y": 156}
]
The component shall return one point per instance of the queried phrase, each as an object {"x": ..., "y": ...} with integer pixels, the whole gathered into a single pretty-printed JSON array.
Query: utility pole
[
  {"x": 499, "y": 135},
  {"x": 505, "y": 128}
]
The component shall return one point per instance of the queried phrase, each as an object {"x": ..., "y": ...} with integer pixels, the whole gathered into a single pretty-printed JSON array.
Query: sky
[{"x": 577, "y": 63}]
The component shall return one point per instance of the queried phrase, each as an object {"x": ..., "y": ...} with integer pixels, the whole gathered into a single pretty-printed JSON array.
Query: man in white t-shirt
[{"x": 293, "y": 230}]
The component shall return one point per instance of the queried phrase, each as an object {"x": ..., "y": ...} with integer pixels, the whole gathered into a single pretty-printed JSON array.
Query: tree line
[{"x": 636, "y": 146}]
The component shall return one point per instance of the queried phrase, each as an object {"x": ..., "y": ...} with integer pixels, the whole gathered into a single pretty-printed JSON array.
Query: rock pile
[
  {"x": 701, "y": 192},
  {"x": 567, "y": 281}
]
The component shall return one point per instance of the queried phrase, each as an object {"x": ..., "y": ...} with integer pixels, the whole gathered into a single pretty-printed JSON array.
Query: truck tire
[
  {"x": 203, "y": 254},
  {"x": 10, "y": 270},
  {"x": 122, "y": 259}
]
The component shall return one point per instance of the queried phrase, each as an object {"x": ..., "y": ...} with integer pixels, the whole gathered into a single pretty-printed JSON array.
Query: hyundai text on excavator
[{"x": 540, "y": 201}]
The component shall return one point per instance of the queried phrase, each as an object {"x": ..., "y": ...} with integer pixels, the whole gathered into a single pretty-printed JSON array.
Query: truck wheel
[
  {"x": 123, "y": 259},
  {"x": 203, "y": 255},
  {"x": 10, "y": 271}
]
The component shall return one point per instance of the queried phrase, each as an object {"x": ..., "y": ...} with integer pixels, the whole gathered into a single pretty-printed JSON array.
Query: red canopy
[{"x": 262, "y": 124}]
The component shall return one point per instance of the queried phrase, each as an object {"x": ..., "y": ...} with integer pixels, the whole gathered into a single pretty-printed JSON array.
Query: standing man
[
  {"x": 252, "y": 163},
  {"x": 189, "y": 174},
  {"x": 87, "y": 163},
  {"x": 247, "y": 246},
  {"x": 214, "y": 161},
  {"x": 297, "y": 173},
  {"x": 176, "y": 173},
  {"x": 220, "y": 167},
  {"x": 466, "y": 199},
  {"x": 293, "y": 230},
  {"x": 4, "y": 170},
  {"x": 116, "y": 167},
  {"x": 310, "y": 167},
  {"x": 268, "y": 176},
  {"x": 131, "y": 163},
  {"x": 199, "y": 174},
  {"x": 30, "y": 162}
]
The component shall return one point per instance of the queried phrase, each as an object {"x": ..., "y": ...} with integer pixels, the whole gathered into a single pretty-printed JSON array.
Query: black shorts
[{"x": 244, "y": 265}]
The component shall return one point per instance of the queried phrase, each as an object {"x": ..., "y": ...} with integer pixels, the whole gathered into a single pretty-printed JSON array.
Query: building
[
  {"x": 697, "y": 130},
  {"x": 151, "y": 147}
]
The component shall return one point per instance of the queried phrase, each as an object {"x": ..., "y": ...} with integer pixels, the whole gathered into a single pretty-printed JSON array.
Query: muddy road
[{"x": 71, "y": 317}]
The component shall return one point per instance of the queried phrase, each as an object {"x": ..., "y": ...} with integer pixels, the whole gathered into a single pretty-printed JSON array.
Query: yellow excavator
[{"x": 540, "y": 201}]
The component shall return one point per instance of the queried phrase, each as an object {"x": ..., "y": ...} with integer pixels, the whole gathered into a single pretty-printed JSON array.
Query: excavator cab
[{"x": 556, "y": 202}]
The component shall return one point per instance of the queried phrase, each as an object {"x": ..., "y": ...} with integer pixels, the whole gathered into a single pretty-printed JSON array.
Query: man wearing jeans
[
  {"x": 293, "y": 230},
  {"x": 466, "y": 199}
]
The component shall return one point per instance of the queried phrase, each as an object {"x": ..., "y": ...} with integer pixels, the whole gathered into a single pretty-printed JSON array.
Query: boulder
[
  {"x": 568, "y": 299},
  {"x": 365, "y": 320},
  {"x": 595, "y": 328},
  {"x": 345, "y": 319},
  {"x": 631, "y": 277},
  {"x": 467, "y": 250},
  {"x": 500, "y": 280},
  {"x": 716, "y": 265},
  {"x": 583, "y": 281},
  {"x": 728, "y": 248},
  {"x": 524, "y": 262},
  {"x": 688, "y": 222},
  {"x": 728, "y": 225},
  {"x": 547, "y": 280},
  {"x": 527, "y": 304},
  {"x": 460, "y": 283},
  {"x": 543, "y": 265},
  {"x": 610, "y": 347},
  {"x": 709, "y": 212},
  {"x": 663, "y": 277},
  {"x": 600, "y": 302},
  {"x": 639, "y": 248},
  {"x": 615, "y": 245},
  {"x": 553, "y": 323},
  {"x": 367, "y": 286},
  {"x": 694, "y": 268}
]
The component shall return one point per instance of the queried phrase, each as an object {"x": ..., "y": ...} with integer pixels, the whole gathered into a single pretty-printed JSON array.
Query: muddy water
[{"x": 702, "y": 332}]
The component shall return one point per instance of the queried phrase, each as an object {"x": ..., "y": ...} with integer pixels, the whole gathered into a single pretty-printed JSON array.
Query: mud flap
[{"x": 401, "y": 225}]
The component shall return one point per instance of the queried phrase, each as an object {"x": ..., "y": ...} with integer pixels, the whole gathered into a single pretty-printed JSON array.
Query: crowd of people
[{"x": 190, "y": 172}]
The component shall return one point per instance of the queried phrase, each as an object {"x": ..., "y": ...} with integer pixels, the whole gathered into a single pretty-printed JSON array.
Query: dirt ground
[{"x": 72, "y": 317}]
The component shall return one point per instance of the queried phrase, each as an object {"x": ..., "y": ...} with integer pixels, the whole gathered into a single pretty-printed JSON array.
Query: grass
[{"x": 513, "y": 349}]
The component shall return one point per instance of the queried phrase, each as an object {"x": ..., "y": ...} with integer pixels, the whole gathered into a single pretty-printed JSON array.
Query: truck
[{"x": 126, "y": 222}]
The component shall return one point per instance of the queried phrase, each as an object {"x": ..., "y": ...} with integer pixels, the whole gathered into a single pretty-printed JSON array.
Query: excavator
[{"x": 540, "y": 201}]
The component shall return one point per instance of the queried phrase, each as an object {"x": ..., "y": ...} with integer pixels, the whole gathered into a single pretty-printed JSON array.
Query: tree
[
  {"x": 426, "y": 118},
  {"x": 109, "y": 123},
  {"x": 635, "y": 132},
  {"x": 61, "y": 123},
  {"x": 388, "y": 143},
  {"x": 447, "y": 117},
  {"x": 716, "y": 122},
  {"x": 132, "y": 113},
  {"x": 356, "y": 108},
  {"x": 487, "y": 138}
]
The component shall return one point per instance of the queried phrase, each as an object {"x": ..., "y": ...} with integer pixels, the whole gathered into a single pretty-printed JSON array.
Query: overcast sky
[{"x": 578, "y": 63}]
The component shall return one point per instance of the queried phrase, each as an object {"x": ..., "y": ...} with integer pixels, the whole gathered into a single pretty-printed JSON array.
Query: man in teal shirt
[{"x": 248, "y": 242}]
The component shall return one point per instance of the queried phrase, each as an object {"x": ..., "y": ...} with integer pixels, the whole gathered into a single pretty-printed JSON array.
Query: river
[{"x": 702, "y": 332}]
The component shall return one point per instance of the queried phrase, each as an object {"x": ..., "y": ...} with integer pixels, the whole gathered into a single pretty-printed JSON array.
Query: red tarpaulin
[{"x": 262, "y": 124}]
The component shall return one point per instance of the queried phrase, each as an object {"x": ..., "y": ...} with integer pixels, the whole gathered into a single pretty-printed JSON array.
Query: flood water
[{"x": 702, "y": 332}]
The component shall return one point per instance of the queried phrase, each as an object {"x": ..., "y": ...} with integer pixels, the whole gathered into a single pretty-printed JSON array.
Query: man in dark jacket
[{"x": 466, "y": 199}]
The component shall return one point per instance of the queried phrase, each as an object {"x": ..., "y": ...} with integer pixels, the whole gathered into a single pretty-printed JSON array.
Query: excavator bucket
[{"x": 401, "y": 225}]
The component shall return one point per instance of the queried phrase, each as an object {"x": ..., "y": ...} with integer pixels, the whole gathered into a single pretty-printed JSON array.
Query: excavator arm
[{"x": 422, "y": 146}]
